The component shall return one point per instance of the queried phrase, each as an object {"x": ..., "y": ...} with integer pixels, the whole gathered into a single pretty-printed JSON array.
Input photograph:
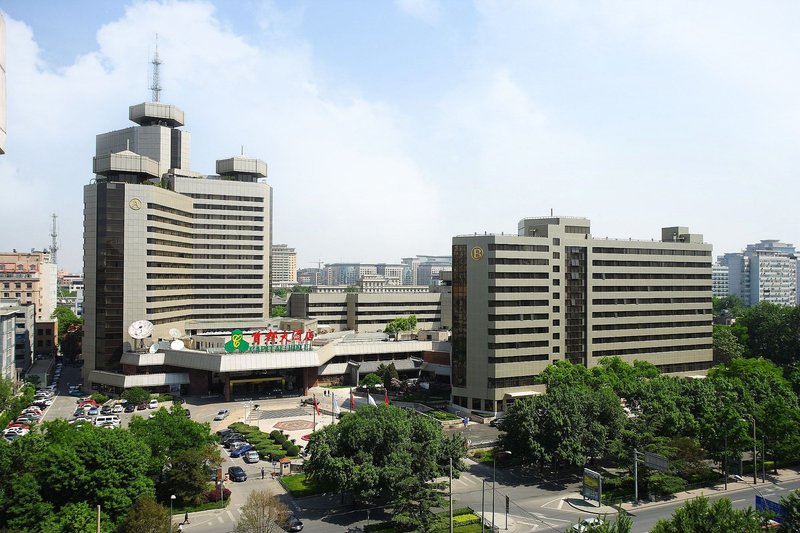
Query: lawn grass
[
  {"x": 201, "y": 507},
  {"x": 298, "y": 485}
]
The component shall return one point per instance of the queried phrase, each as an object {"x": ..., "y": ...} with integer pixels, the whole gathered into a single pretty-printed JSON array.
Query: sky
[{"x": 391, "y": 126}]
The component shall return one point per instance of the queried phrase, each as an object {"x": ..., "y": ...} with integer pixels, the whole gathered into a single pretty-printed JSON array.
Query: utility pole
[{"x": 451, "y": 495}]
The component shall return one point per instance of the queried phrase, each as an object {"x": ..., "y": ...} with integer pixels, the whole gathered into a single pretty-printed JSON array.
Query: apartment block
[
  {"x": 763, "y": 272},
  {"x": 30, "y": 277},
  {"x": 719, "y": 281},
  {"x": 553, "y": 292},
  {"x": 284, "y": 266}
]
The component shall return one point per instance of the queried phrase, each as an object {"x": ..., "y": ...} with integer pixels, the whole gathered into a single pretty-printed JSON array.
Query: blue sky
[{"x": 389, "y": 127}]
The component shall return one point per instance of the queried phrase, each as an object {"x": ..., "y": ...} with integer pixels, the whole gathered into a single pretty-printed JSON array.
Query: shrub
[
  {"x": 278, "y": 455},
  {"x": 664, "y": 484},
  {"x": 466, "y": 519},
  {"x": 213, "y": 495},
  {"x": 275, "y": 434},
  {"x": 165, "y": 397},
  {"x": 238, "y": 427},
  {"x": 292, "y": 450},
  {"x": 99, "y": 398},
  {"x": 280, "y": 439}
]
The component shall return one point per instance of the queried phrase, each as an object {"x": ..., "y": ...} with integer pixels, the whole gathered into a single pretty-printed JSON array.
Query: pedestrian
[
  {"x": 186, "y": 518},
  {"x": 262, "y": 472}
]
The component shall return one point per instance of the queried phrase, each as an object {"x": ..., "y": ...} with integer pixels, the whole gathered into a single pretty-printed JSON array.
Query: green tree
[
  {"x": 726, "y": 345},
  {"x": 66, "y": 318},
  {"x": 413, "y": 505},
  {"x": 187, "y": 474},
  {"x": 301, "y": 289},
  {"x": 791, "y": 512},
  {"x": 371, "y": 381},
  {"x": 278, "y": 311},
  {"x": 698, "y": 516},
  {"x": 279, "y": 292},
  {"x": 375, "y": 453},
  {"x": 78, "y": 518},
  {"x": 772, "y": 332},
  {"x": 168, "y": 434},
  {"x": 146, "y": 516},
  {"x": 387, "y": 373},
  {"x": 408, "y": 323},
  {"x": 262, "y": 513},
  {"x": 730, "y": 305},
  {"x": 136, "y": 395}
]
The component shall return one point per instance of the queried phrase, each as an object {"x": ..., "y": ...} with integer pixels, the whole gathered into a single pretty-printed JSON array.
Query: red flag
[
  {"x": 352, "y": 401},
  {"x": 386, "y": 397},
  {"x": 316, "y": 405}
]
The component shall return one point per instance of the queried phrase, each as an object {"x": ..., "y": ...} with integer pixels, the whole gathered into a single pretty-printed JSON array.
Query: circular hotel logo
[
  {"x": 477, "y": 253},
  {"x": 135, "y": 204}
]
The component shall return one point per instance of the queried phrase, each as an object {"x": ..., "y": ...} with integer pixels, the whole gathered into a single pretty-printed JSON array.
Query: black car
[
  {"x": 187, "y": 413},
  {"x": 106, "y": 410},
  {"x": 293, "y": 523},
  {"x": 237, "y": 473},
  {"x": 223, "y": 432},
  {"x": 129, "y": 408}
]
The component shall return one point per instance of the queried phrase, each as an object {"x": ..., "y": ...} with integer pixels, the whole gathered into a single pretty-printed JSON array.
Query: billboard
[{"x": 592, "y": 485}]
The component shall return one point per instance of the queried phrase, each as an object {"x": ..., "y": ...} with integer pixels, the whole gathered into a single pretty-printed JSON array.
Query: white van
[{"x": 107, "y": 420}]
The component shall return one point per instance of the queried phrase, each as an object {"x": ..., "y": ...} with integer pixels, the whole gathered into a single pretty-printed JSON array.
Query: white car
[
  {"x": 587, "y": 524},
  {"x": 222, "y": 414},
  {"x": 153, "y": 404},
  {"x": 117, "y": 408}
]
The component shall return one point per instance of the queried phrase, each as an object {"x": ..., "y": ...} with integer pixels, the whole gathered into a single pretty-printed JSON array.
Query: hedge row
[{"x": 274, "y": 446}]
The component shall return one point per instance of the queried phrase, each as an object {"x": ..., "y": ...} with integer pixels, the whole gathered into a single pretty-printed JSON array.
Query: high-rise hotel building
[
  {"x": 554, "y": 292},
  {"x": 163, "y": 243}
]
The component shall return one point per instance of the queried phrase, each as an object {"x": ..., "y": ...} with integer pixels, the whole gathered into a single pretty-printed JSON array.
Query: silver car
[{"x": 222, "y": 414}]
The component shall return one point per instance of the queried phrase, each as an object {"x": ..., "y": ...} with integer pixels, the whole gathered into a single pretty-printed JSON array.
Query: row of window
[
  {"x": 517, "y": 331},
  {"x": 514, "y": 288},
  {"x": 646, "y": 338},
  {"x": 656, "y": 312},
  {"x": 518, "y": 359},
  {"x": 647, "y": 275},
  {"x": 239, "y": 257},
  {"x": 519, "y": 275},
  {"x": 221, "y": 316},
  {"x": 651, "y": 251},
  {"x": 635, "y": 301},
  {"x": 230, "y": 237},
  {"x": 517, "y": 345},
  {"x": 653, "y": 349},
  {"x": 685, "y": 367},
  {"x": 648, "y": 325},
  {"x": 205, "y": 296},
  {"x": 18, "y": 285},
  {"x": 518, "y": 247},
  {"x": 517, "y": 261},
  {"x": 513, "y": 381},
  {"x": 229, "y": 207},
  {"x": 650, "y": 264},
  {"x": 220, "y": 227},
  {"x": 156, "y": 264},
  {"x": 151, "y": 275},
  {"x": 188, "y": 307},
  {"x": 205, "y": 246},
  {"x": 518, "y": 303},
  {"x": 650, "y": 288},
  {"x": 203, "y": 287},
  {"x": 519, "y": 316},
  {"x": 226, "y": 197}
]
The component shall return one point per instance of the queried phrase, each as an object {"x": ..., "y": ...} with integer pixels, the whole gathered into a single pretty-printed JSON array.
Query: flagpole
[
  {"x": 315, "y": 412},
  {"x": 333, "y": 402}
]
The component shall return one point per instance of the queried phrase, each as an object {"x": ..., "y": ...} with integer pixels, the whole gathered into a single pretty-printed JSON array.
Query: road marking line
[
  {"x": 739, "y": 500},
  {"x": 230, "y": 515},
  {"x": 560, "y": 504},
  {"x": 219, "y": 519}
]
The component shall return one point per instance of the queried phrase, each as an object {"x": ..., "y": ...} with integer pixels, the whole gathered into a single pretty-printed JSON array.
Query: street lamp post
[
  {"x": 171, "y": 499},
  {"x": 755, "y": 445},
  {"x": 451, "y": 495},
  {"x": 483, "y": 497},
  {"x": 494, "y": 475}
]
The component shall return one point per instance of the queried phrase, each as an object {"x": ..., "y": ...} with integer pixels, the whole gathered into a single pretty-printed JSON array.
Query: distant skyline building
[
  {"x": 764, "y": 272},
  {"x": 553, "y": 292},
  {"x": 719, "y": 281},
  {"x": 30, "y": 277},
  {"x": 284, "y": 266},
  {"x": 424, "y": 269},
  {"x": 185, "y": 251}
]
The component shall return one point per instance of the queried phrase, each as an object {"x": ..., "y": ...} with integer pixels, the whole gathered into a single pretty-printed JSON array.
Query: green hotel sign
[{"x": 294, "y": 341}]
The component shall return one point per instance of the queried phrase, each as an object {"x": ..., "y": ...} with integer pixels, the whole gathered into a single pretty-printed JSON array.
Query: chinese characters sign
[{"x": 273, "y": 341}]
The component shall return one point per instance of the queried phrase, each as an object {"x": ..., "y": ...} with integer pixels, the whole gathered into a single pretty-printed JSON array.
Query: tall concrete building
[
  {"x": 284, "y": 265},
  {"x": 554, "y": 292},
  {"x": 424, "y": 269},
  {"x": 763, "y": 272},
  {"x": 167, "y": 244},
  {"x": 30, "y": 277}
]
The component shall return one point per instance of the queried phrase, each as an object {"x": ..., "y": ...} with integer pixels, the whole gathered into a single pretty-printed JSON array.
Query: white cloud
[
  {"x": 428, "y": 11},
  {"x": 342, "y": 181}
]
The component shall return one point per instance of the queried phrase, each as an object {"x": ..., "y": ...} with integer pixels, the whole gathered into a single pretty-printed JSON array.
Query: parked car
[
  {"x": 93, "y": 411},
  {"x": 187, "y": 413},
  {"x": 153, "y": 404},
  {"x": 241, "y": 450},
  {"x": 129, "y": 408},
  {"x": 237, "y": 473},
  {"x": 222, "y": 414},
  {"x": 232, "y": 438},
  {"x": 77, "y": 392},
  {"x": 81, "y": 419},
  {"x": 106, "y": 410},
  {"x": 118, "y": 408},
  {"x": 224, "y": 432},
  {"x": 251, "y": 457},
  {"x": 141, "y": 407},
  {"x": 293, "y": 523}
]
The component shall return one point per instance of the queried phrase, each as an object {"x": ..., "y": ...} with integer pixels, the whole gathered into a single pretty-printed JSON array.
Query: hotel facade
[{"x": 553, "y": 292}]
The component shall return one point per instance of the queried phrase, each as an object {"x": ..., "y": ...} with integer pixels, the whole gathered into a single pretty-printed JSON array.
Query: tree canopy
[
  {"x": 66, "y": 318},
  {"x": 700, "y": 516},
  {"x": 378, "y": 453},
  {"x": 408, "y": 323}
]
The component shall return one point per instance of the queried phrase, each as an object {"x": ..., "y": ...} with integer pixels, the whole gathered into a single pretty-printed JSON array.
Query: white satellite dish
[
  {"x": 175, "y": 333},
  {"x": 177, "y": 345},
  {"x": 153, "y": 348},
  {"x": 140, "y": 329}
]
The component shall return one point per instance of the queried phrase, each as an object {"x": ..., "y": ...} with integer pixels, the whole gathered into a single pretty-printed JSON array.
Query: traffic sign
[{"x": 656, "y": 462}]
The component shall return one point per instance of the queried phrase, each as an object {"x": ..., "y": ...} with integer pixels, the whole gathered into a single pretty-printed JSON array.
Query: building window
[
  {"x": 556, "y": 349},
  {"x": 17, "y": 285},
  {"x": 40, "y": 331},
  {"x": 556, "y": 255},
  {"x": 556, "y": 335},
  {"x": 476, "y": 404},
  {"x": 556, "y": 268},
  {"x": 29, "y": 285},
  {"x": 39, "y": 342},
  {"x": 28, "y": 294},
  {"x": 5, "y": 295},
  {"x": 556, "y": 282},
  {"x": 556, "y": 241},
  {"x": 17, "y": 295},
  {"x": 556, "y": 322},
  {"x": 556, "y": 309},
  {"x": 556, "y": 296}
]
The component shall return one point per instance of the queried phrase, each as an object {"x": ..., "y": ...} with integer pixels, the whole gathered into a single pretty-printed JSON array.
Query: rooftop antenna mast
[
  {"x": 156, "y": 85},
  {"x": 54, "y": 241}
]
